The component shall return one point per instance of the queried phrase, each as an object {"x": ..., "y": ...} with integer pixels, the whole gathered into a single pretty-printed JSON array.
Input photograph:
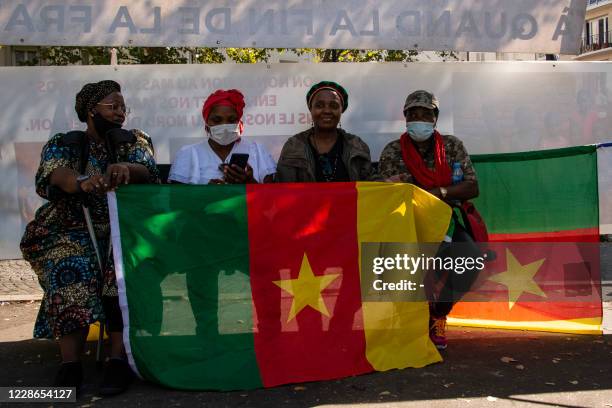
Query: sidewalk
[{"x": 18, "y": 281}]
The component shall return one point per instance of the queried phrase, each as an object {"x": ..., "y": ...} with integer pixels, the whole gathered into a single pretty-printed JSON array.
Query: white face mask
[{"x": 225, "y": 134}]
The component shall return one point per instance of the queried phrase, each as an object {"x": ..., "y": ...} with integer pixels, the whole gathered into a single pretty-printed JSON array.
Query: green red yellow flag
[
  {"x": 541, "y": 209},
  {"x": 239, "y": 287}
]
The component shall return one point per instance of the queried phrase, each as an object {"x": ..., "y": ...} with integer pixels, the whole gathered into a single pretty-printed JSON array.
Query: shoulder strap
[
  {"x": 117, "y": 142},
  {"x": 77, "y": 139}
]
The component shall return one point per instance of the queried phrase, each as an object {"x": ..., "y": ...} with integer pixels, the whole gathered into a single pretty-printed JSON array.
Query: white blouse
[{"x": 198, "y": 163}]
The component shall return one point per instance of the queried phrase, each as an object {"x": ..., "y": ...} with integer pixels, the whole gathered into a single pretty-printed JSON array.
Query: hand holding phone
[
  {"x": 238, "y": 170},
  {"x": 239, "y": 159}
]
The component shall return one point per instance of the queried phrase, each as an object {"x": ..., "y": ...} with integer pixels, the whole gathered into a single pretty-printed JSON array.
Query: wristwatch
[
  {"x": 443, "y": 192},
  {"x": 80, "y": 179}
]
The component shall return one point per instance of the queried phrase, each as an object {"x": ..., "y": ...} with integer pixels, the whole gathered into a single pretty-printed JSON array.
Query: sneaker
[
  {"x": 117, "y": 377},
  {"x": 437, "y": 332},
  {"x": 69, "y": 375}
]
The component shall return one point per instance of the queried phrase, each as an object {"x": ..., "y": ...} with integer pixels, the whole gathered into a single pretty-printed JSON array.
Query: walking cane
[{"x": 94, "y": 241}]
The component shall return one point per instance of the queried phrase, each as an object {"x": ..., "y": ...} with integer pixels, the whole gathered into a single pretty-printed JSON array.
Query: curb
[{"x": 19, "y": 298}]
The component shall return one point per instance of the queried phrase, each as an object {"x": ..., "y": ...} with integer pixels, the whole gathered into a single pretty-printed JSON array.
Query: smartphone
[{"x": 239, "y": 159}]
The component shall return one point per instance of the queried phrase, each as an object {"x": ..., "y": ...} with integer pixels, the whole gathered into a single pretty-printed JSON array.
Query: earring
[{"x": 340, "y": 125}]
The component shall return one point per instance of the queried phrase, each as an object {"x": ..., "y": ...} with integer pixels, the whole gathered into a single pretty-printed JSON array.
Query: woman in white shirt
[{"x": 207, "y": 162}]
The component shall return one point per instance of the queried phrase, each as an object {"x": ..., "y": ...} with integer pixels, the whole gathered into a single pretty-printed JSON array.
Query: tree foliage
[
  {"x": 354, "y": 55},
  {"x": 201, "y": 55}
]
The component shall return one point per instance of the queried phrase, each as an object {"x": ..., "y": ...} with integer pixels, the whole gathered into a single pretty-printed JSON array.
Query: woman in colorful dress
[{"x": 76, "y": 168}]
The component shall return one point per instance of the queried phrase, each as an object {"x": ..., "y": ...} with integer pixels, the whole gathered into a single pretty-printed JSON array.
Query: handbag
[{"x": 473, "y": 222}]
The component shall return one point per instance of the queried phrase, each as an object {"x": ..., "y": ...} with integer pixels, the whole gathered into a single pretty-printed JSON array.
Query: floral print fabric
[{"x": 57, "y": 243}]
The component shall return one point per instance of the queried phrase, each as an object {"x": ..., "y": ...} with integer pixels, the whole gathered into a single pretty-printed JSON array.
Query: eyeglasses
[{"x": 117, "y": 107}]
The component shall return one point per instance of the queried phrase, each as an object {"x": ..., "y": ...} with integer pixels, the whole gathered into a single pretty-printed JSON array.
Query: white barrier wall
[
  {"x": 551, "y": 26},
  {"x": 493, "y": 107}
]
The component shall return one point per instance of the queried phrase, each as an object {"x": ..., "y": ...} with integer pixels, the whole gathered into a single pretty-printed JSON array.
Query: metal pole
[
  {"x": 92, "y": 235},
  {"x": 114, "y": 60},
  {"x": 94, "y": 241}
]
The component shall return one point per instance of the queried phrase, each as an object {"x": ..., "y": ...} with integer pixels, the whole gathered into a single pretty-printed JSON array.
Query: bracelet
[
  {"x": 80, "y": 180},
  {"x": 443, "y": 192}
]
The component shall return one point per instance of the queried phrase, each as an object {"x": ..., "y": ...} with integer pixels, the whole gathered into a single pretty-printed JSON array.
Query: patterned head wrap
[
  {"x": 91, "y": 94},
  {"x": 329, "y": 85}
]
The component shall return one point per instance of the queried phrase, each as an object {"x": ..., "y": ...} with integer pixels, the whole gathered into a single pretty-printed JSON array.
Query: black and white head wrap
[{"x": 91, "y": 94}]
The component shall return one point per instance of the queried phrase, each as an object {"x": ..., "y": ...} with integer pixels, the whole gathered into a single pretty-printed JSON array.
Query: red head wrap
[{"x": 232, "y": 98}]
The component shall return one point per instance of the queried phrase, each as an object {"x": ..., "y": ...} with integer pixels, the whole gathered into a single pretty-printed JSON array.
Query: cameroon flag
[
  {"x": 238, "y": 287},
  {"x": 541, "y": 209}
]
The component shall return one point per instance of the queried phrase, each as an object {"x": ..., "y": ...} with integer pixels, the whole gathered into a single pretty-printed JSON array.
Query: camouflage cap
[{"x": 422, "y": 99}]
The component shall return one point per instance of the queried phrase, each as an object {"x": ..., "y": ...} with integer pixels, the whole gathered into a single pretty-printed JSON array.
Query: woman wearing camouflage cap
[
  {"x": 325, "y": 152},
  {"x": 78, "y": 168},
  {"x": 426, "y": 158}
]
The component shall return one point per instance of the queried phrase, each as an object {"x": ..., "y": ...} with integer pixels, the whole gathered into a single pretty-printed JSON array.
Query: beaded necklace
[{"x": 328, "y": 166}]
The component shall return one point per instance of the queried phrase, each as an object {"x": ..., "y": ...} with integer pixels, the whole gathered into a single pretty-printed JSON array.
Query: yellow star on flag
[
  {"x": 401, "y": 209},
  {"x": 519, "y": 278},
  {"x": 306, "y": 289}
]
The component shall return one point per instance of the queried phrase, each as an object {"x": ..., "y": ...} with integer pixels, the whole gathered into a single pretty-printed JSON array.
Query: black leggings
[
  {"x": 114, "y": 321},
  {"x": 456, "y": 284}
]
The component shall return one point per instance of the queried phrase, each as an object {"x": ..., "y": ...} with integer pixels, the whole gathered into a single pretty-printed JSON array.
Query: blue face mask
[{"x": 419, "y": 131}]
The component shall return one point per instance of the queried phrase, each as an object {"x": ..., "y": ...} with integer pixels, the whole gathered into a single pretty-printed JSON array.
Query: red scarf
[{"x": 440, "y": 176}]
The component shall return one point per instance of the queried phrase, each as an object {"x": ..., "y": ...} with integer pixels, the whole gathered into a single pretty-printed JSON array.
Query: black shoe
[
  {"x": 117, "y": 377},
  {"x": 69, "y": 375}
]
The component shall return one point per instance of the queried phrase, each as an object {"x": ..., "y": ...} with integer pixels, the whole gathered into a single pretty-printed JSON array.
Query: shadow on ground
[{"x": 511, "y": 366}]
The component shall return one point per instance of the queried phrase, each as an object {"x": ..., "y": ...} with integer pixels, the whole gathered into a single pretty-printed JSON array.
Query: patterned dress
[{"x": 57, "y": 243}]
